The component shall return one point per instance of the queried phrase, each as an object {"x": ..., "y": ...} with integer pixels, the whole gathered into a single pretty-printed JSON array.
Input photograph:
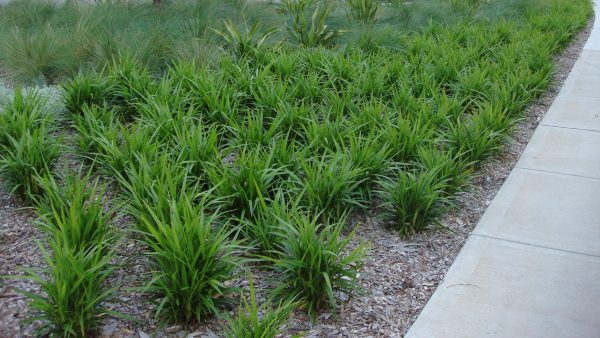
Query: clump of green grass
[
  {"x": 290, "y": 118},
  {"x": 316, "y": 263},
  {"x": 132, "y": 84},
  {"x": 449, "y": 168},
  {"x": 322, "y": 133},
  {"x": 198, "y": 146},
  {"x": 466, "y": 5},
  {"x": 254, "y": 321},
  {"x": 86, "y": 89},
  {"x": 370, "y": 156},
  {"x": 414, "y": 200},
  {"x": 371, "y": 84},
  {"x": 122, "y": 146},
  {"x": 24, "y": 111},
  {"x": 191, "y": 259},
  {"x": 40, "y": 57},
  {"x": 270, "y": 93},
  {"x": 94, "y": 128},
  {"x": 241, "y": 184},
  {"x": 81, "y": 246},
  {"x": 185, "y": 237},
  {"x": 286, "y": 155},
  {"x": 330, "y": 185},
  {"x": 32, "y": 154},
  {"x": 159, "y": 118},
  {"x": 105, "y": 139},
  {"x": 73, "y": 286},
  {"x": 369, "y": 116},
  {"x": 156, "y": 181},
  {"x": 405, "y": 137},
  {"x": 264, "y": 227},
  {"x": 474, "y": 140},
  {"x": 73, "y": 212},
  {"x": 255, "y": 130}
]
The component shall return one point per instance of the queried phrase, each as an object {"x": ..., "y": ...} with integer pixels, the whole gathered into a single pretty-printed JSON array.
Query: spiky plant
[
  {"x": 244, "y": 42},
  {"x": 364, "y": 11},
  {"x": 313, "y": 31}
]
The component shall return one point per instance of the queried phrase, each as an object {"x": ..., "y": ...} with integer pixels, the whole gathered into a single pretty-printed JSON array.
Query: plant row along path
[{"x": 285, "y": 173}]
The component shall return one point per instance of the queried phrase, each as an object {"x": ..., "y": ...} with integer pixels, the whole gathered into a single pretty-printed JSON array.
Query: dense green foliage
[{"x": 45, "y": 42}]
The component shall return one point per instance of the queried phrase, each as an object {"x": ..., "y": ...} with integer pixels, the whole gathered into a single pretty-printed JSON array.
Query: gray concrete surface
[
  {"x": 547, "y": 210},
  {"x": 583, "y": 112},
  {"x": 510, "y": 289},
  {"x": 531, "y": 267},
  {"x": 563, "y": 150}
]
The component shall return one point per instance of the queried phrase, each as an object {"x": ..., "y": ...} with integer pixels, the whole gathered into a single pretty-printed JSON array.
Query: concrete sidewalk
[{"x": 531, "y": 268}]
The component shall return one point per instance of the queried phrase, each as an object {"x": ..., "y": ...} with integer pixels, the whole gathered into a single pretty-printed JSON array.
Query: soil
[{"x": 400, "y": 275}]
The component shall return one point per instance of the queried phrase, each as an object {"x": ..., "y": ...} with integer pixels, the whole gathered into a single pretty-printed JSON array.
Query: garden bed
[{"x": 473, "y": 85}]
